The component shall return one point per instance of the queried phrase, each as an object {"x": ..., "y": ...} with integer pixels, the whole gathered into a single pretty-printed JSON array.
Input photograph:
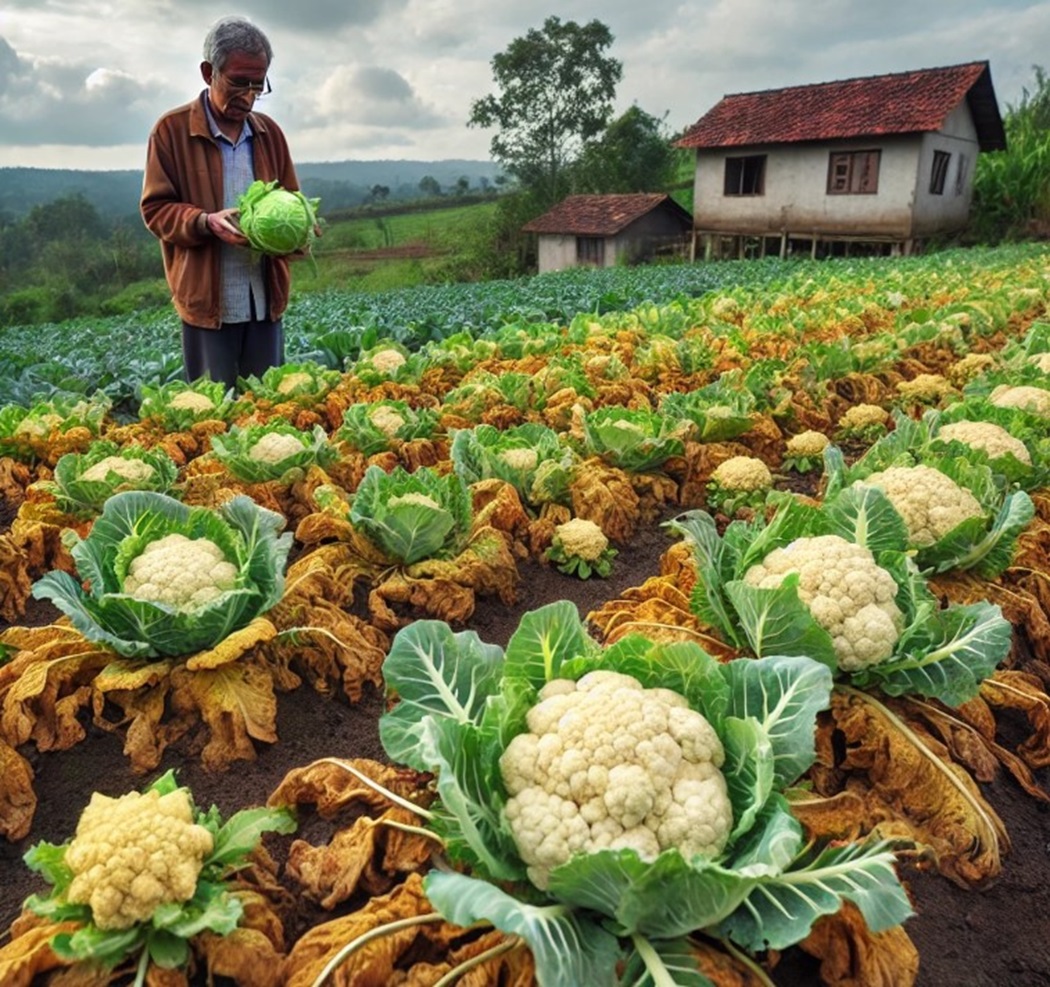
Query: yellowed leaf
[
  {"x": 237, "y": 705},
  {"x": 246, "y": 956},
  {"x": 29, "y": 952},
  {"x": 851, "y": 955},
  {"x": 233, "y": 646},
  {"x": 140, "y": 691},
  {"x": 17, "y": 798},
  {"x": 606, "y": 496}
]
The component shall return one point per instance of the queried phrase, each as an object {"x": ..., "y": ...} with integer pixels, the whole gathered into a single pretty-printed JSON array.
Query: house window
[
  {"x": 853, "y": 172},
  {"x": 960, "y": 175},
  {"x": 746, "y": 176},
  {"x": 590, "y": 250},
  {"x": 939, "y": 172}
]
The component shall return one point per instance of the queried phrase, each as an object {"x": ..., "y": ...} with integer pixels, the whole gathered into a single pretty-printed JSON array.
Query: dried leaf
[
  {"x": 233, "y": 646},
  {"x": 332, "y": 789},
  {"x": 17, "y": 798},
  {"x": 246, "y": 956},
  {"x": 1020, "y": 691},
  {"x": 29, "y": 952},
  {"x": 851, "y": 955},
  {"x": 606, "y": 496},
  {"x": 140, "y": 691},
  {"x": 905, "y": 775},
  {"x": 722, "y": 969},
  {"x": 372, "y": 965},
  {"x": 236, "y": 703}
]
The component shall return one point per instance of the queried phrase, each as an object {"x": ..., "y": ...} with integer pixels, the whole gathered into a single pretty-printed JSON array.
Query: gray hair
[{"x": 230, "y": 34}]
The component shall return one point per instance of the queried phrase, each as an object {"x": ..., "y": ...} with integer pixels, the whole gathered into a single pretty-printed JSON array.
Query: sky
[{"x": 82, "y": 81}]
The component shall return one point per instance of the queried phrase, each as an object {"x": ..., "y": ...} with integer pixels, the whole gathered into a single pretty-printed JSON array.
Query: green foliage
[
  {"x": 177, "y": 406},
  {"x": 80, "y": 493},
  {"x": 633, "y": 154},
  {"x": 632, "y": 439},
  {"x": 413, "y": 516},
  {"x": 103, "y": 612},
  {"x": 381, "y": 425},
  {"x": 240, "y": 452},
  {"x": 1011, "y": 188},
  {"x": 556, "y": 88}
]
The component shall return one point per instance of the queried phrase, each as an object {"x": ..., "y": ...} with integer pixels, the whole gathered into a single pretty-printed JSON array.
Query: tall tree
[
  {"x": 634, "y": 154},
  {"x": 556, "y": 89}
]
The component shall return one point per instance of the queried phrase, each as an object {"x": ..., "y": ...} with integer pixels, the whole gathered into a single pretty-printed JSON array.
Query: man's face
[{"x": 228, "y": 88}]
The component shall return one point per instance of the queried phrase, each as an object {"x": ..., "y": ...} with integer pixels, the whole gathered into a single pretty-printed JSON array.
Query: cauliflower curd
[
  {"x": 184, "y": 572},
  {"x": 991, "y": 439},
  {"x": 930, "y": 502},
  {"x": 134, "y": 853},
  {"x": 276, "y": 446},
  {"x": 132, "y": 470},
  {"x": 582, "y": 539},
  {"x": 742, "y": 473},
  {"x": 608, "y": 764},
  {"x": 846, "y": 592}
]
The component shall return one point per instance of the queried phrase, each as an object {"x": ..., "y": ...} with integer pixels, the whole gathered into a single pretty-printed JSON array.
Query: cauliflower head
[
  {"x": 192, "y": 401},
  {"x": 520, "y": 459},
  {"x": 846, "y": 592},
  {"x": 134, "y": 853},
  {"x": 744, "y": 473},
  {"x": 183, "y": 572},
  {"x": 275, "y": 446},
  {"x": 387, "y": 361},
  {"x": 413, "y": 497},
  {"x": 299, "y": 378},
  {"x": 930, "y": 502},
  {"x": 132, "y": 470},
  {"x": 581, "y": 538},
  {"x": 1032, "y": 399},
  {"x": 926, "y": 388},
  {"x": 386, "y": 419},
  {"x": 862, "y": 416},
  {"x": 989, "y": 438},
  {"x": 970, "y": 367},
  {"x": 608, "y": 764},
  {"x": 806, "y": 444},
  {"x": 1041, "y": 361}
]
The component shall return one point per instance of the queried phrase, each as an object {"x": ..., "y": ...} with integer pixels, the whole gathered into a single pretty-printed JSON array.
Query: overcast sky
[{"x": 82, "y": 81}]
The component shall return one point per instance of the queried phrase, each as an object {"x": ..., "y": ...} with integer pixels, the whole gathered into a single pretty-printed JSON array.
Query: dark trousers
[{"x": 237, "y": 349}]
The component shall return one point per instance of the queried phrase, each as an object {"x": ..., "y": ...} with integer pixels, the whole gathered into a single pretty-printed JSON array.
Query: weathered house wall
[{"x": 556, "y": 252}]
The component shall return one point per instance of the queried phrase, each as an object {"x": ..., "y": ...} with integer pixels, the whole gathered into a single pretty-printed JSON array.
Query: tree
[
  {"x": 429, "y": 186},
  {"x": 634, "y": 154},
  {"x": 556, "y": 89},
  {"x": 379, "y": 192}
]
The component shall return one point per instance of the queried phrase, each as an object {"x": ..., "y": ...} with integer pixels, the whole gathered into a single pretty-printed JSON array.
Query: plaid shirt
[{"x": 241, "y": 274}]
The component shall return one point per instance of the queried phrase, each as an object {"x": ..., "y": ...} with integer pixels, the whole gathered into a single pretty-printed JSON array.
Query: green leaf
[
  {"x": 945, "y": 656},
  {"x": 435, "y": 673},
  {"x": 241, "y": 833},
  {"x": 780, "y": 910},
  {"x": 864, "y": 515},
  {"x": 569, "y": 948},
  {"x": 661, "y": 962},
  {"x": 544, "y": 640}
]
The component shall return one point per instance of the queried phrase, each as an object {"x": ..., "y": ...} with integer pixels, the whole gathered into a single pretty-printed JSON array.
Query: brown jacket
[{"x": 183, "y": 179}]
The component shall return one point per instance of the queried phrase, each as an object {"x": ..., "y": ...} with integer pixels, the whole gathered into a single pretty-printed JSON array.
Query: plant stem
[
  {"x": 432, "y": 918},
  {"x": 492, "y": 953},
  {"x": 653, "y": 964},
  {"x": 376, "y": 787}
]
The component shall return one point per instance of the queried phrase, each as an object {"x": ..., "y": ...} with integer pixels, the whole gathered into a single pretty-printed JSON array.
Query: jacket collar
[{"x": 199, "y": 120}]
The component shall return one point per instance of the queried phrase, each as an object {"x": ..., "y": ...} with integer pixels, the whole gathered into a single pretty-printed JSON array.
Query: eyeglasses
[{"x": 257, "y": 89}]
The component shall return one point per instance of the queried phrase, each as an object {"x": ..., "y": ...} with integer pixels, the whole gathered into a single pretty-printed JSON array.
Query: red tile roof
[
  {"x": 900, "y": 103},
  {"x": 601, "y": 215}
]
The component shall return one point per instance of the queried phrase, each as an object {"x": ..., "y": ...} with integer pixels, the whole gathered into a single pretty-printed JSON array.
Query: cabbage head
[{"x": 276, "y": 220}]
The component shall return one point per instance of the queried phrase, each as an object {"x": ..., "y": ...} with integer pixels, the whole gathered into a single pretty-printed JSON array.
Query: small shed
[
  {"x": 605, "y": 230},
  {"x": 885, "y": 160}
]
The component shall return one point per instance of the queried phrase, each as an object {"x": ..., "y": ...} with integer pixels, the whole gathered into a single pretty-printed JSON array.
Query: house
[
  {"x": 604, "y": 230},
  {"x": 886, "y": 160}
]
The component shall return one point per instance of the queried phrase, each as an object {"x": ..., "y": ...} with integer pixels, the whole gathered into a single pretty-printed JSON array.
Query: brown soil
[{"x": 989, "y": 938}]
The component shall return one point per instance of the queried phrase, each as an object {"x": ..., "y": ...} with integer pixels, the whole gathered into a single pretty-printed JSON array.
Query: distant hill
[{"x": 339, "y": 183}]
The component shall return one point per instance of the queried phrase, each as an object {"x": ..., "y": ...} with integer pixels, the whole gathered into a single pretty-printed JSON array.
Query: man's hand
[{"x": 223, "y": 225}]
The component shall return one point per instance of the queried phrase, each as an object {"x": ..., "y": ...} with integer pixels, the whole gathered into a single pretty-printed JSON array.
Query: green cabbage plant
[
  {"x": 462, "y": 701},
  {"x": 178, "y": 406},
  {"x": 371, "y": 427},
  {"x": 413, "y": 516},
  {"x": 83, "y": 482},
  {"x": 101, "y": 608},
  {"x": 632, "y": 439},
  {"x": 530, "y": 457},
  {"x": 276, "y": 220},
  {"x": 291, "y": 381}
]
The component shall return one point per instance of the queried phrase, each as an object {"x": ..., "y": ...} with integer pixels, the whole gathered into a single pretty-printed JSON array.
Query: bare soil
[{"x": 990, "y": 938}]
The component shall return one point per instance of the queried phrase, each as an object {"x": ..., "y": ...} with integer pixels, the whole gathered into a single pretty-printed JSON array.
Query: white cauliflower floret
[
  {"x": 930, "y": 502},
  {"x": 191, "y": 401},
  {"x": 387, "y": 361},
  {"x": 134, "y": 853},
  {"x": 292, "y": 381},
  {"x": 581, "y": 539},
  {"x": 808, "y": 443},
  {"x": 743, "y": 473},
  {"x": 847, "y": 593},
  {"x": 1041, "y": 361},
  {"x": 386, "y": 419},
  {"x": 276, "y": 446},
  {"x": 991, "y": 439},
  {"x": 184, "y": 572},
  {"x": 38, "y": 426},
  {"x": 608, "y": 764},
  {"x": 132, "y": 470},
  {"x": 970, "y": 366},
  {"x": 520, "y": 459},
  {"x": 862, "y": 416},
  {"x": 1027, "y": 398}
]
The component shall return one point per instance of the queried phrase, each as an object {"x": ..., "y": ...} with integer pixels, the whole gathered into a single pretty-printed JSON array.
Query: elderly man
[{"x": 201, "y": 157}]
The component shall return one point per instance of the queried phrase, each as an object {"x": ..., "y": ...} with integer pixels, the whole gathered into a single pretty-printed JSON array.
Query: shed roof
[
  {"x": 898, "y": 103},
  {"x": 602, "y": 215}
]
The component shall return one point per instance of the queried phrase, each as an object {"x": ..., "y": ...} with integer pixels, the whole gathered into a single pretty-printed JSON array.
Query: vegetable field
[{"x": 683, "y": 625}]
